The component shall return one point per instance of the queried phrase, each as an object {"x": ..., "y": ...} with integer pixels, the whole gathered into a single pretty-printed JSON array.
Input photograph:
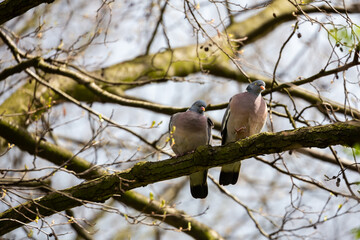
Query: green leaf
[
  {"x": 356, "y": 149},
  {"x": 353, "y": 150},
  {"x": 356, "y": 232},
  {"x": 49, "y": 102},
  {"x": 344, "y": 35},
  {"x": 30, "y": 233},
  {"x": 100, "y": 118},
  {"x": 162, "y": 204}
]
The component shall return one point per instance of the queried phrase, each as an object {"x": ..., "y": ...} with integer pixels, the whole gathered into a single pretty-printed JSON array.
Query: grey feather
[
  {"x": 192, "y": 129},
  {"x": 245, "y": 116}
]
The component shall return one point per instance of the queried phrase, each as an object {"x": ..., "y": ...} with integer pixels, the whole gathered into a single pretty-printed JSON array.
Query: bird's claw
[{"x": 240, "y": 129}]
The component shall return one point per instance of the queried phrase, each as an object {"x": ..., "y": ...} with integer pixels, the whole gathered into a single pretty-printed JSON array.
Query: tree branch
[
  {"x": 351, "y": 165},
  {"x": 343, "y": 133},
  {"x": 38, "y": 147},
  {"x": 10, "y": 9},
  {"x": 169, "y": 215},
  {"x": 59, "y": 156},
  {"x": 186, "y": 61},
  {"x": 322, "y": 103},
  {"x": 204, "y": 157},
  {"x": 80, "y": 230}
]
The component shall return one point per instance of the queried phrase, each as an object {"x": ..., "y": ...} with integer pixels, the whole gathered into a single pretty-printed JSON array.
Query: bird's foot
[{"x": 240, "y": 129}]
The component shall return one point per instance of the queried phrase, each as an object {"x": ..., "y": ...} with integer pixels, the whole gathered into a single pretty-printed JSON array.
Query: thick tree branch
[
  {"x": 7, "y": 72},
  {"x": 292, "y": 88},
  {"x": 83, "y": 79},
  {"x": 20, "y": 182},
  {"x": 103, "y": 94},
  {"x": 10, "y": 9},
  {"x": 185, "y": 60},
  {"x": 142, "y": 174},
  {"x": 343, "y": 133},
  {"x": 84, "y": 169},
  {"x": 276, "y": 13},
  {"x": 154, "y": 68}
]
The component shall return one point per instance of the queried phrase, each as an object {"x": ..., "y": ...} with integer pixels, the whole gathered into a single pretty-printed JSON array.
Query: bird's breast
[
  {"x": 247, "y": 117},
  {"x": 190, "y": 132}
]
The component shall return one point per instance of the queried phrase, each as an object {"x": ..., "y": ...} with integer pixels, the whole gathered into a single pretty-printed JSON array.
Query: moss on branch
[
  {"x": 341, "y": 133},
  {"x": 178, "y": 62},
  {"x": 344, "y": 133},
  {"x": 60, "y": 156}
]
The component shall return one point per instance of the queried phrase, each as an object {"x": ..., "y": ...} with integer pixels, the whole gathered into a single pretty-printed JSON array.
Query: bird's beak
[
  {"x": 202, "y": 108},
  {"x": 262, "y": 87}
]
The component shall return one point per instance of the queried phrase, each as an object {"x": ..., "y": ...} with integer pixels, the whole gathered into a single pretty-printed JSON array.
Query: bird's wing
[
  {"x": 210, "y": 125},
  {"x": 224, "y": 124}
]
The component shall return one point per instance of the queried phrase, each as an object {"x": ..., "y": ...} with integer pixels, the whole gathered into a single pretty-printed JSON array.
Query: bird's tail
[
  {"x": 229, "y": 173},
  {"x": 198, "y": 184}
]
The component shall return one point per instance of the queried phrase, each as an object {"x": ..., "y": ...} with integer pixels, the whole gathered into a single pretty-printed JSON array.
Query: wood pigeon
[
  {"x": 189, "y": 130},
  {"x": 245, "y": 115}
]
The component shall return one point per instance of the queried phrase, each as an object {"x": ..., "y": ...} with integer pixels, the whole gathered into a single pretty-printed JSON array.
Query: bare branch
[{"x": 329, "y": 158}]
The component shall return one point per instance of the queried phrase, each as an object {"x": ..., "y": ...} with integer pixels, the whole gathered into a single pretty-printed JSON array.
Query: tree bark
[
  {"x": 10, "y": 9},
  {"x": 204, "y": 157},
  {"x": 62, "y": 157}
]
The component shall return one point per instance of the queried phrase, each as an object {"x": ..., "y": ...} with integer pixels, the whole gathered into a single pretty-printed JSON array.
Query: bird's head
[
  {"x": 198, "y": 106},
  {"x": 256, "y": 87}
]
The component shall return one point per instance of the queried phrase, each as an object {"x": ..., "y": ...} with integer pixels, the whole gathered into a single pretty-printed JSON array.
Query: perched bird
[
  {"x": 189, "y": 130},
  {"x": 245, "y": 116}
]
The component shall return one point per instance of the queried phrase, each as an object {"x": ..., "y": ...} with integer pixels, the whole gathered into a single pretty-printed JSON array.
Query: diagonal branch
[
  {"x": 59, "y": 156},
  {"x": 186, "y": 61},
  {"x": 169, "y": 215},
  {"x": 248, "y": 210},
  {"x": 151, "y": 40},
  {"x": 83, "y": 80},
  {"x": 142, "y": 174},
  {"x": 10, "y": 9},
  {"x": 351, "y": 165},
  {"x": 343, "y": 133}
]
